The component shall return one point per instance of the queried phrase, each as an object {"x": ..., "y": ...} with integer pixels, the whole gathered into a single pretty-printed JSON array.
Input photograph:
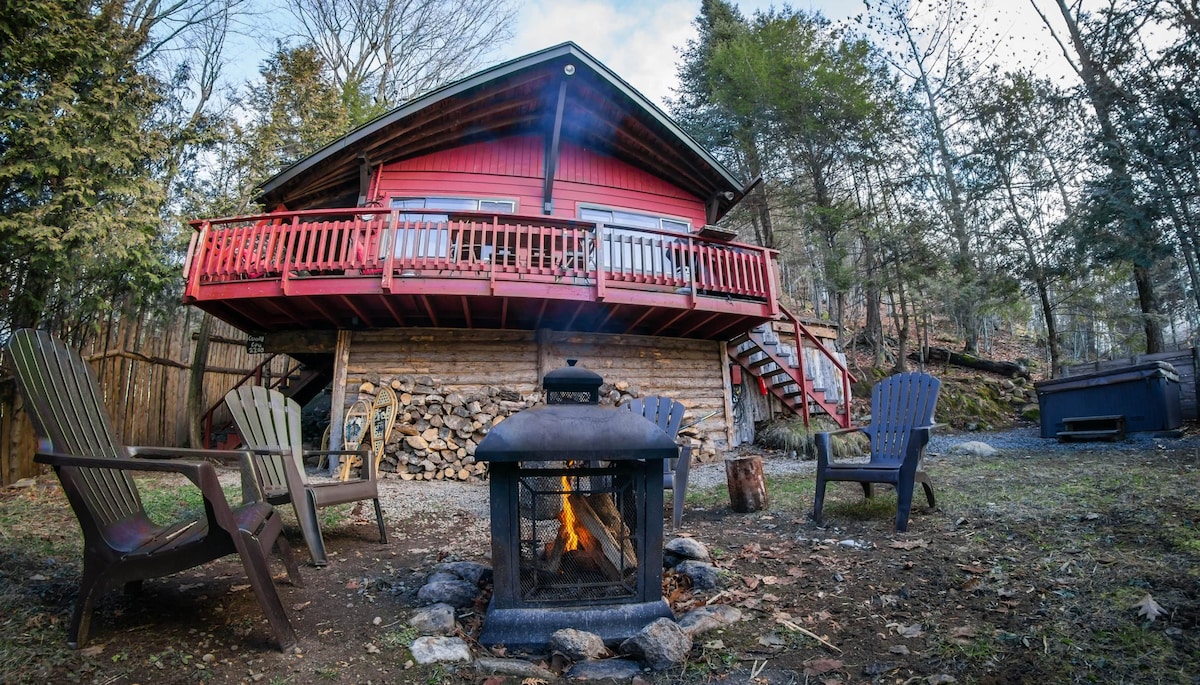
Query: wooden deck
[{"x": 331, "y": 269}]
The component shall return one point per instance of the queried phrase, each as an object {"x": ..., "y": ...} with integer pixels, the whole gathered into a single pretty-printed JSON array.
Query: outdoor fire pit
[{"x": 576, "y": 517}]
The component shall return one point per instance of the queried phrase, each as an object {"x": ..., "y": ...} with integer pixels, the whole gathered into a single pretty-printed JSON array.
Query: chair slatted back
[
  {"x": 268, "y": 420},
  {"x": 665, "y": 412},
  {"x": 64, "y": 402},
  {"x": 898, "y": 404}
]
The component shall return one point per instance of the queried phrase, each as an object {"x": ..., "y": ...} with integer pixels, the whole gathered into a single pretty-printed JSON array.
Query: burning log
[{"x": 590, "y": 528}]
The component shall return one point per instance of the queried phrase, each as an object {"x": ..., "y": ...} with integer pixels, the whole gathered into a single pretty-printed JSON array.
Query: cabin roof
[{"x": 601, "y": 112}]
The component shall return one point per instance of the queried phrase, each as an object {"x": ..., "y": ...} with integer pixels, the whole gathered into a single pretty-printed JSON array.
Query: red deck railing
[{"x": 386, "y": 245}]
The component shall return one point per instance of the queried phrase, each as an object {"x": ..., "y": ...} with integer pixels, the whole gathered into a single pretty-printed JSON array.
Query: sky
[{"x": 641, "y": 40}]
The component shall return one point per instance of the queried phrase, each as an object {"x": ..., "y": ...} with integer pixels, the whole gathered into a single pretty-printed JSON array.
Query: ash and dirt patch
[{"x": 1034, "y": 568}]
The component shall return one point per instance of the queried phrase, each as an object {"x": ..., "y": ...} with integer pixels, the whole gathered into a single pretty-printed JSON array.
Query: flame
[{"x": 567, "y": 517}]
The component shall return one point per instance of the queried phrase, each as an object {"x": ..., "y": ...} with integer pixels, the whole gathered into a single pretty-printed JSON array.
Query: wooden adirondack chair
[
  {"x": 667, "y": 414},
  {"x": 269, "y": 424},
  {"x": 121, "y": 544},
  {"x": 901, "y": 422}
]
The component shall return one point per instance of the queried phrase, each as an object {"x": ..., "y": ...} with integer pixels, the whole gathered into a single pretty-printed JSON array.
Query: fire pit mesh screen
[{"x": 578, "y": 535}]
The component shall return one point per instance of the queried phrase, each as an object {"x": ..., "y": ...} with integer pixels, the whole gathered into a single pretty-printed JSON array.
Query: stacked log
[{"x": 439, "y": 427}]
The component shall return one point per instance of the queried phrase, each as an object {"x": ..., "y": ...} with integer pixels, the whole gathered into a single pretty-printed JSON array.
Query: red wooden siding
[{"x": 511, "y": 168}]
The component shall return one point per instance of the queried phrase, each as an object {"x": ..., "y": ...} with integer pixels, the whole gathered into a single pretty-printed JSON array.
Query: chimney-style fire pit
[{"x": 577, "y": 517}]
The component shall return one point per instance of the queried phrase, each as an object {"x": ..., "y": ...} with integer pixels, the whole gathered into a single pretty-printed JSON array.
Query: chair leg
[
  {"x": 680, "y": 485},
  {"x": 923, "y": 479},
  {"x": 904, "y": 494},
  {"x": 306, "y": 514},
  {"x": 258, "y": 571},
  {"x": 289, "y": 560},
  {"x": 379, "y": 518},
  {"x": 819, "y": 499},
  {"x": 81, "y": 620},
  {"x": 868, "y": 490}
]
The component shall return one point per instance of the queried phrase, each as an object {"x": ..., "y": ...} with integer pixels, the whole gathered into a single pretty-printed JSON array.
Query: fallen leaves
[
  {"x": 908, "y": 544},
  {"x": 819, "y": 666},
  {"x": 1149, "y": 608}
]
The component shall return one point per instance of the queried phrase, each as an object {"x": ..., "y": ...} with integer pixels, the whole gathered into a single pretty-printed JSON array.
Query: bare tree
[{"x": 388, "y": 51}]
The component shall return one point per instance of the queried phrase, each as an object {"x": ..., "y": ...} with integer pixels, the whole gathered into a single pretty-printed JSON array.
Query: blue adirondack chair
[{"x": 902, "y": 409}]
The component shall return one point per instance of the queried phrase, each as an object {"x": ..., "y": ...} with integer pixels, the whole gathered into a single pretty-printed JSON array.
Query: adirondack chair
[
  {"x": 269, "y": 424},
  {"x": 901, "y": 422},
  {"x": 667, "y": 414},
  {"x": 121, "y": 544}
]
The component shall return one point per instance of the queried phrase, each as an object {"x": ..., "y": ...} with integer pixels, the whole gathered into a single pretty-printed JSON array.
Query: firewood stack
[{"x": 437, "y": 427}]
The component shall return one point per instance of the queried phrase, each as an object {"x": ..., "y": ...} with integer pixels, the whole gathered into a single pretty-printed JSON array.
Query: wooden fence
[
  {"x": 143, "y": 368},
  {"x": 1183, "y": 360}
]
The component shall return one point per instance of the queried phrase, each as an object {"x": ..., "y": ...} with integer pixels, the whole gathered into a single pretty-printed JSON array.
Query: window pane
[
  {"x": 503, "y": 206},
  {"x": 470, "y": 204},
  {"x": 673, "y": 225},
  {"x": 596, "y": 215}
]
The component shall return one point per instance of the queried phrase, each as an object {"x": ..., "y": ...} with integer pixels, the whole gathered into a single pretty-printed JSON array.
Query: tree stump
[{"x": 747, "y": 488}]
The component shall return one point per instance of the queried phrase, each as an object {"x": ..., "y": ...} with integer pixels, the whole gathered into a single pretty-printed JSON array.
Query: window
[
  {"x": 450, "y": 204},
  {"x": 627, "y": 248},
  {"x": 617, "y": 217}
]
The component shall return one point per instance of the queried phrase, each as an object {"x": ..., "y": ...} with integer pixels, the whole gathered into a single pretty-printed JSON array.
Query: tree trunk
[
  {"x": 195, "y": 391},
  {"x": 747, "y": 488},
  {"x": 941, "y": 354}
]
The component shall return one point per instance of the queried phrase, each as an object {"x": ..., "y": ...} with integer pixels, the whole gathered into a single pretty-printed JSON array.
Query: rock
[
  {"x": 974, "y": 448},
  {"x": 706, "y": 618},
  {"x": 456, "y": 593},
  {"x": 619, "y": 670},
  {"x": 704, "y": 576},
  {"x": 435, "y": 619},
  {"x": 431, "y": 650},
  {"x": 578, "y": 645},
  {"x": 440, "y": 576},
  {"x": 470, "y": 571},
  {"x": 514, "y": 667},
  {"x": 681, "y": 549},
  {"x": 661, "y": 645}
]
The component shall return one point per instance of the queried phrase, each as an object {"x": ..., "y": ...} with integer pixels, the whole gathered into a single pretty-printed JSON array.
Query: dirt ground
[{"x": 1046, "y": 567}]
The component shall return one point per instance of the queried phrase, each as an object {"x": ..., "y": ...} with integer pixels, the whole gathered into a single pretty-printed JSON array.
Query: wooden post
[
  {"x": 337, "y": 404},
  {"x": 747, "y": 488}
]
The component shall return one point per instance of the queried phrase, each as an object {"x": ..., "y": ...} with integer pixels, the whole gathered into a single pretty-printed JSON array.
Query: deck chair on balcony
[
  {"x": 667, "y": 414},
  {"x": 902, "y": 409},
  {"x": 269, "y": 424},
  {"x": 122, "y": 544}
]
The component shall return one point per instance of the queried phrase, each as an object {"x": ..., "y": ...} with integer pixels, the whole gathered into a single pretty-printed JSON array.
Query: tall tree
[
  {"x": 820, "y": 96},
  {"x": 384, "y": 52},
  {"x": 1119, "y": 224},
  {"x": 933, "y": 45},
  {"x": 78, "y": 198}
]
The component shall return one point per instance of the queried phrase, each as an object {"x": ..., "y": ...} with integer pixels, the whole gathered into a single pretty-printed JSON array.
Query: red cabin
[{"x": 481, "y": 234}]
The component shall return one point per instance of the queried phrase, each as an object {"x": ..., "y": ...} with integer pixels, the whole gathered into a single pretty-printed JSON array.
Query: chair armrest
[
  {"x": 251, "y": 488},
  {"x": 227, "y": 457},
  {"x": 823, "y": 442},
  {"x": 201, "y": 473}
]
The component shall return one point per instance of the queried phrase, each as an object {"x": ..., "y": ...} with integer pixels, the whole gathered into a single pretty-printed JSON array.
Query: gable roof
[{"x": 602, "y": 112}]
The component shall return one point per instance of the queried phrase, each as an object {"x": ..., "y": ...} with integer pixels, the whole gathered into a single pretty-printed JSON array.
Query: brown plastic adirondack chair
[
  {"x": 121, "y": 544},
  {"x": 667, "y": 414},
  {"x": 902, "y": 409},
  {"x": 269, "y": 424}
]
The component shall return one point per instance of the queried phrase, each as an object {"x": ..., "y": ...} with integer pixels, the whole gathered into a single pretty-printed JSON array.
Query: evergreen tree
[{"x": 78, "y": 151}]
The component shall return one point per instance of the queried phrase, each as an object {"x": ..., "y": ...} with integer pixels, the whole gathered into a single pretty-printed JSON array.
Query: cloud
[{"x": 639, "y": 41}]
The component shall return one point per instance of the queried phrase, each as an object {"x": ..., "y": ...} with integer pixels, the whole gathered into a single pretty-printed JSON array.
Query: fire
[{"x": 569, "y": 522}]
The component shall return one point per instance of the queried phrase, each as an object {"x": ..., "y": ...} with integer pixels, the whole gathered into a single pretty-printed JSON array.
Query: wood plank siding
[
  {"x": 511, "y": 169},
  {"x": 470, "y": 361}
]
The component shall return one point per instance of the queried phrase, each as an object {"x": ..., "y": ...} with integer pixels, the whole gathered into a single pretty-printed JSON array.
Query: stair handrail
[
  {"x": 802, "y": 332},
  {"x": 256, "y": 374}
]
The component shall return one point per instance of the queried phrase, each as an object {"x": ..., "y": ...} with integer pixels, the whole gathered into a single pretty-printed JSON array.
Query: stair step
[{"x": 762, "y": 362}]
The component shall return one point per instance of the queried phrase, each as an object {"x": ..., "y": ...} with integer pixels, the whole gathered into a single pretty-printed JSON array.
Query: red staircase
[
  {"x": 302, "y": 381},
  {"x": 807, "y": 377}
]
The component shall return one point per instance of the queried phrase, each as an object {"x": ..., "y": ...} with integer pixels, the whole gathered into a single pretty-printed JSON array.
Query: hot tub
[{"x": 1146, "y": 395}]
